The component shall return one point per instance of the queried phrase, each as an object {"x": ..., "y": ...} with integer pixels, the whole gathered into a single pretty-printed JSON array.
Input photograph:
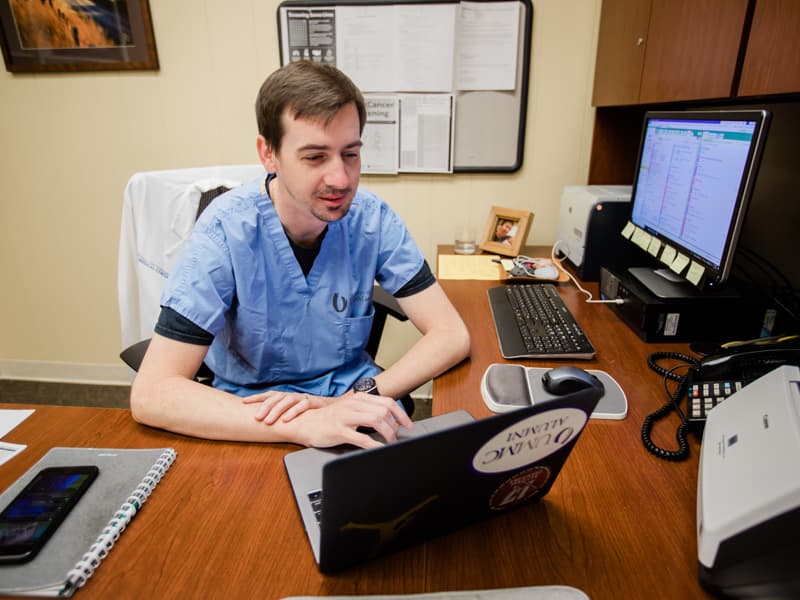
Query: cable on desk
[
  {"x": 589, "y": 298},
  {"x": 682, "y": 453}
]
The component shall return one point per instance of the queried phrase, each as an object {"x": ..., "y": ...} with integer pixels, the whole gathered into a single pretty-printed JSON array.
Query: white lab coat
[{"x": 158, "y": 214}]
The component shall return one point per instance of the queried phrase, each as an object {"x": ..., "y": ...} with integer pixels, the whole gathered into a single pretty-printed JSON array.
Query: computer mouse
[
  {"x": 565, "y": 380},
  {"x": 548, "y": 272}
]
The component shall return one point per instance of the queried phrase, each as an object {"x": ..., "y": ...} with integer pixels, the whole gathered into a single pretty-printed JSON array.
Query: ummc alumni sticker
[{"x": 529, "y": 440}]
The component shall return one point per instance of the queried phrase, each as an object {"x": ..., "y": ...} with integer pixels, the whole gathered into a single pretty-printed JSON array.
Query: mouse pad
[
  {"x": 518, "y": 275},
  {"x": 505, "y": 387}
]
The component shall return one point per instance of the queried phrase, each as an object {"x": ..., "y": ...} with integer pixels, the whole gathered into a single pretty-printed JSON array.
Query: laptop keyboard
[
  {"x": 315, "y": 498},
  {"x": 537, "y": 314}
]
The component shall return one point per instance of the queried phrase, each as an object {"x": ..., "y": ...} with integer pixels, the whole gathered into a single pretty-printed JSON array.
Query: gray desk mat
[
  {"x": 539, "y": 592},
  {"x": 505, "y": 387}
]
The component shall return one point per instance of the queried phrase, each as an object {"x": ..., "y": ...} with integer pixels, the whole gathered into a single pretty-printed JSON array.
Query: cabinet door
[
  {"x": 692, "y": 49},
  {"x": 620, "y": 51},
  {"x": 772, "y": 58}
]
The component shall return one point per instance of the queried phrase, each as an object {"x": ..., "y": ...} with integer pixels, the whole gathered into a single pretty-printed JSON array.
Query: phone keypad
[{"x": 705, "y": 395}]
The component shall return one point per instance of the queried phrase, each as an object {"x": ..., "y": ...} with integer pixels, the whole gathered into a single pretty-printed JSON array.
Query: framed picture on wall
[
  {"x": 506, "y": 231},
  {"x": 76, "y": 35}
]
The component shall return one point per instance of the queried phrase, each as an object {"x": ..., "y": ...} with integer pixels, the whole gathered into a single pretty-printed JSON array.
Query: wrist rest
[{"x": 505, "y": 387}]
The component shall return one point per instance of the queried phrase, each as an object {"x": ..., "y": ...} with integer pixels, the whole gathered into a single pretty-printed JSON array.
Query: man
[
  {"x": 273, "y": 290},
  {"x": 503, "y": 232}
]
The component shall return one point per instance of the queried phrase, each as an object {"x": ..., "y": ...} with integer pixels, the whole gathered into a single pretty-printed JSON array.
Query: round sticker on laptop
[
  {"x": 529, "y": 440},
  {"x": 519, "y": 487}
]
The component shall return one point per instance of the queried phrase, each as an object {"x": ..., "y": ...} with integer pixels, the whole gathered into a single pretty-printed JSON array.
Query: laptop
[{"x": 446, "y": 472}]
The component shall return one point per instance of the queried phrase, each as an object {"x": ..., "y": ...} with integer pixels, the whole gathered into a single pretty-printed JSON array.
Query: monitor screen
[{"x": 695, "y": 172}]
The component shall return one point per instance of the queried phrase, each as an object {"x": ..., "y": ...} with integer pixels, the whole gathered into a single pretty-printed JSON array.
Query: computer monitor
[{"x": 694, "y": 175}]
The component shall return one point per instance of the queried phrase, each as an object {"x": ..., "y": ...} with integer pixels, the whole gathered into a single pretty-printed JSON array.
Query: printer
[
  {"x": 590, "y": 222},
  {"x": 748, "y": 491}
]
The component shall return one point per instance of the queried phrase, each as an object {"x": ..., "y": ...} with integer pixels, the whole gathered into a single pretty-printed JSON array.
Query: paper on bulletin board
[
  {"x": 381, "y": 137},
  {"x": 476, "y": 266}
]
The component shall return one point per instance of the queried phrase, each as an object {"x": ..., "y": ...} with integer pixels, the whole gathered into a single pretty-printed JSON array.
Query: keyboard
[
  {"x": 705, "y": 395},
  {"x": 532, "y": 321},
  {"x": 315, "y": 498}
]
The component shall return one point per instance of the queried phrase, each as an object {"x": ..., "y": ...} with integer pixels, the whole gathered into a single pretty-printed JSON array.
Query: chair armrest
[
  {"x": 386, "y": 303},
  {"x": 133, "y": 355}
]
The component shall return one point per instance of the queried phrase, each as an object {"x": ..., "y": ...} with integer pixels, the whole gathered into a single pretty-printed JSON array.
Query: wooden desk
[
  {"x": 618, "y": 523},
  {"x": 222, "y": 523}
]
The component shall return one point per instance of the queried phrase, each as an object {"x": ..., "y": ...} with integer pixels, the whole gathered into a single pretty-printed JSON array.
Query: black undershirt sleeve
[
  {"x": 422, "y": 280},
  {"x": 175, "y": 326}
]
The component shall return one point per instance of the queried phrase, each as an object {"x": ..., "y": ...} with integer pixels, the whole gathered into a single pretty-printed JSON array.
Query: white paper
[
  {"x": 365, "y": 46},
  {"x": 406, "y": 48},
  {"x": 487, "y": 36},
  {"x": 10, "y": 418},
  {"x": 425, "y": 44},
  {"x": 9, "y": 451},
  {"x": 380, "y": 152},
  {"x": 426, "y": 133}
]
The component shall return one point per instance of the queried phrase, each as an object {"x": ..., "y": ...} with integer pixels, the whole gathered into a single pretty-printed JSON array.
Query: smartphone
[{"x": 36, "y": 512}]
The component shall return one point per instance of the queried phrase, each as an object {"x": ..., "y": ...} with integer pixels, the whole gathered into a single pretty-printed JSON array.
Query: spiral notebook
[{"x": 127, "y": 478}]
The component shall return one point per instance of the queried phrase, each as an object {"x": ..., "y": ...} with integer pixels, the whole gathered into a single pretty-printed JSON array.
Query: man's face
[{"x": 318, "y": 166}]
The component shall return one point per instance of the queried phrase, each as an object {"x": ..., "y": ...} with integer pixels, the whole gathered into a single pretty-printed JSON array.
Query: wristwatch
[{"x": 367, "y": 385}]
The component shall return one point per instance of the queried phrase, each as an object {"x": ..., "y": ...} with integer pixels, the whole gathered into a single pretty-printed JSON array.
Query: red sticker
[{"x": 519, "y": 488}]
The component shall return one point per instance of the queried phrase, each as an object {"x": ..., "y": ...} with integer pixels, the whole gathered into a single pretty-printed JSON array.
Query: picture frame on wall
[
  {"x": 506, "y": 231},
  {"x": 40, "y": 36}
]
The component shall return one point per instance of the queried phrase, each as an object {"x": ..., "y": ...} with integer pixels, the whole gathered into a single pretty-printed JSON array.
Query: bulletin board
[{"x": 488, "y": 125}]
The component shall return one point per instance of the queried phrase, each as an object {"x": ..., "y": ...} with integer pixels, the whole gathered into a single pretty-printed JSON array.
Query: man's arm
[
  {"x": 165, "y": 395},
  {"x": 445, "y": 342}
]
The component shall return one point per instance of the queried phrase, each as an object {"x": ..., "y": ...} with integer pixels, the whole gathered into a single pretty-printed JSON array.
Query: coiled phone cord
[{"x": 682, "y": 453}]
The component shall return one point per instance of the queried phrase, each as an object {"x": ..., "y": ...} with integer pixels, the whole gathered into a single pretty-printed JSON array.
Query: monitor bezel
[{"x": 714, "y": 275}]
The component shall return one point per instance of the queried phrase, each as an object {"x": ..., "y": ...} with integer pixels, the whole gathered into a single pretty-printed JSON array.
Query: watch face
[{"x": 366, "y": 384}]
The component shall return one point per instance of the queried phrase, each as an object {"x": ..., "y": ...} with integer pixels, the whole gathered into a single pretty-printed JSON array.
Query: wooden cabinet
[
  {"x": 689, "y": 54},
  {"x": 772, "y": 59},
  {"x": 620, "y": 52},
  {"x": 655, "y": 51}
]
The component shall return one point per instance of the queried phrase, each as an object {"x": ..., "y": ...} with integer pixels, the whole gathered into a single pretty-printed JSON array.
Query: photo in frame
[
  {"x": 39, "y": 36},
  {"x": 506, "y": 231}
]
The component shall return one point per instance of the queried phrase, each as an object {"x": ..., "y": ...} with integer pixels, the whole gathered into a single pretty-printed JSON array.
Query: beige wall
[{"x": 70, "y": 143}]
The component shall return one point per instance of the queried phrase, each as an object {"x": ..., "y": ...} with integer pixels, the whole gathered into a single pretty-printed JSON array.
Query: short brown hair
[{"x": 310, "y": 90}]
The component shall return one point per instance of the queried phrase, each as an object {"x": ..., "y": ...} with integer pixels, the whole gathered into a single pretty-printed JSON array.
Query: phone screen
[{"x": 37, "y": 511}]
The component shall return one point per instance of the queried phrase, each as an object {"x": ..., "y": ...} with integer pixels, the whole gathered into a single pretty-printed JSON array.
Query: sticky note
[
  {"x": 628, "y": 230},
  {"x": 695, "y": 273},
  {"x": 679, "y": 264},
  {"x": 641, "y": 238},
  {"x": 668, "y": 255},
  {"x": 654, "y": 247}
]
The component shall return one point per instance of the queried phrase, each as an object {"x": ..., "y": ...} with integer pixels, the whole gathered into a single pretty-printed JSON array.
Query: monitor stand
[{"x": 665, "y": 284}]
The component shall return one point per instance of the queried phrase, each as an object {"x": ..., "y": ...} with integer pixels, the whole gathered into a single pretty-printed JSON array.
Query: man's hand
[
  {"x": 337, "y": 422},
  {"x": 276, "y": 404}
]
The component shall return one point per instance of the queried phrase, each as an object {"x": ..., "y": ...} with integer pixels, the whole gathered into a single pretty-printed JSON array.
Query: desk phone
[{"x": 720, "y": 375}]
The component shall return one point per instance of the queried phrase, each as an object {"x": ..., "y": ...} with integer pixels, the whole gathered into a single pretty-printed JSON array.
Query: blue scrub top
[{"x": 274, "y": 328}]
